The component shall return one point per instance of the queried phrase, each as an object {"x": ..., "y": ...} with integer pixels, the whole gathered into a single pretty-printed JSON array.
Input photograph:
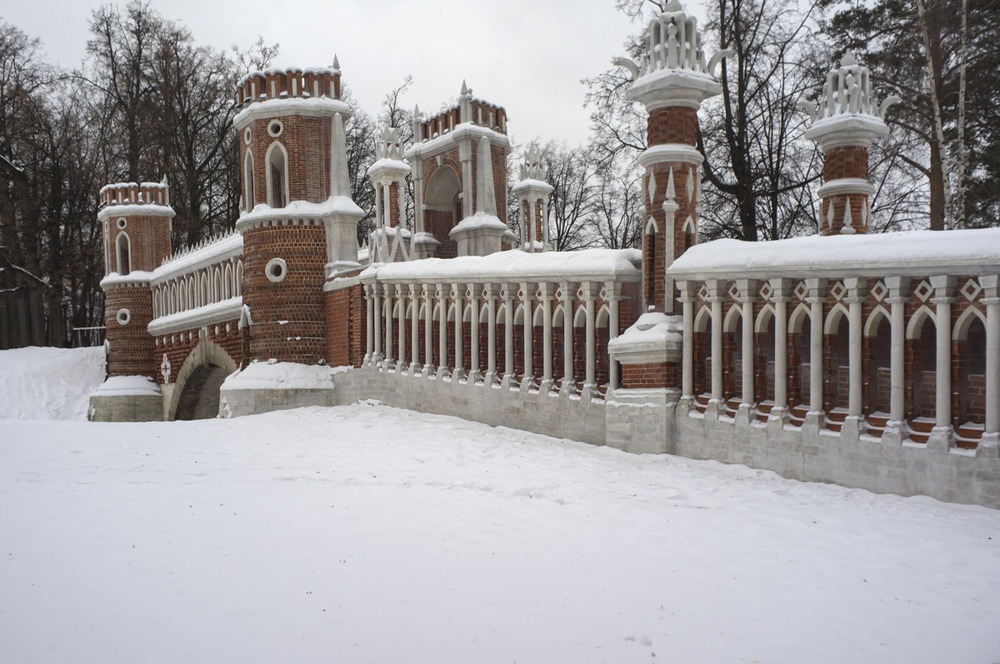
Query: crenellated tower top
[{"x": 289, "y": 83}]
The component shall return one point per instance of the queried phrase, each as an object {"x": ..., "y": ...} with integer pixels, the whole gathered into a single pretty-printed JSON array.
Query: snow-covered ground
[{"x": 371, "y": 534}]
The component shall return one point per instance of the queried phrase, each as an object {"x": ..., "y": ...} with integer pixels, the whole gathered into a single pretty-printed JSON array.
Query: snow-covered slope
[
  {"x": 370, "y": 534},
  {"x": 48, "y": 383}
]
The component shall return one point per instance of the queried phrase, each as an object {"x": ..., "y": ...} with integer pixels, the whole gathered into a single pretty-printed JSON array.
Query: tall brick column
[
  {"x": 844, "y": 122},
  {"x": 671, "y": 80},
  {"x": 298, "y": 221},
  {"x": 136, "y": 220}
]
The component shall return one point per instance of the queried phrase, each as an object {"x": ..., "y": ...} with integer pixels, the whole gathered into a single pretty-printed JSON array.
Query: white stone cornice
[
  {"x": 845, "y": 186},
  {"x": 135, "y": 210},
  {"x": 273, "y": 108},
  {"x": 670, "y": 152}
]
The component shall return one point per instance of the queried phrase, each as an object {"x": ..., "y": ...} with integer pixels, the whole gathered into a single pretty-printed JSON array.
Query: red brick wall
[
  {"x": 149, "y": 238},
  {"x": 178, "y": 346},
  {"x": 648, "y": 376},
  {"x": 307, "y": 143},
  {"x": 289, "y": 317},
  {"x": 346, "y": 326},
  {"x": 674, "y": 124},
  {"x": 131, "y": 345}
]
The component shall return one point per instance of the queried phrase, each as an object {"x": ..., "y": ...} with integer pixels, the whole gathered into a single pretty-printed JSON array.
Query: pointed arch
[
  {"x": 502, "y": 314},
  {"x": 763, "y": 319},
  {"x": 800, "y": 315},
  {"x": 875, "y": 319},
  {"x": 729, "y": 322},
  {"x": 227, "y": 281},
  {"x": 961, "y": 329},
  {"x": 538, "y": 318},
  {"x": 703, "y": 319},
  {"x": 238, "y": 285},
  {"x": 248, "y": 193},
  {"x": 580, "y": 318},
  {"x": 603, "y": 316},
  {"x": 123, "y": 253},
  {"x": 836, "y": 312},
  {"x": 916, "y": 323},
  {"x": 277, "y": 175}
]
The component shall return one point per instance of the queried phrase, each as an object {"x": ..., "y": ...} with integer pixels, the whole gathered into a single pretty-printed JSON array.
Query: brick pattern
[
  {"x": 178, "y": 346},
  {"x": 650, "y": 376},
  {"x": 131, "y": 346},
  {"x": 289, "y": 317},
  {"x": 149, "y": 241},
  {"x": 839, "y": 163},
  {"x": 673, "y": 124},
  {"x": 307, "y": 145}
]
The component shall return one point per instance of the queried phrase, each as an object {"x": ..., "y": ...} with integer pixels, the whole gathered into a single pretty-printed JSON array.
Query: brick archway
[{"x": 207, "y": 354}]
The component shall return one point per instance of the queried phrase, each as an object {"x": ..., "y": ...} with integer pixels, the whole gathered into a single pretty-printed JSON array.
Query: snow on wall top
[
  {"x": 586, "y": 265},
  {"x": 905, "y": 253}
]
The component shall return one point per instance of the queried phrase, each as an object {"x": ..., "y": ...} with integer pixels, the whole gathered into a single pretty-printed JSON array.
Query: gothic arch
[
  {"x": 763, "y": 319},
  {"x": 916, "y": 323},
  {"x": 248, "y": 193},
  {"x": 729, "y": 322},
  {"x": 703, "y": 319},
  {"x": 277, "y": 168},
  {"x": 833, "y": 317},
  {"x": 800, "y": 315},
  {"x": 875, "y": 319},
  {"x": 123, "y": 253},
  {"x": 961, "y": 329}
]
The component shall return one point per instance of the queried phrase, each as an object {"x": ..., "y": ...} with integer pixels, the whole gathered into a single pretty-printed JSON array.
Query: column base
[
  {"x": 852, "y": 428},
  {"x": 546, "y": 386},
  {"x": 941, "y": 438},
  {"x": 777, "y": 418},
  {"x": 894, "y": 432},
  {"x": 813, "y": 422},
  {"x": 568, "y": 387},
  {"x": 744, "y": 414},
  {"x": 989, "y": 446},
  {"x": 684, "y": 406},
  {"x": 712, "y": 410}
]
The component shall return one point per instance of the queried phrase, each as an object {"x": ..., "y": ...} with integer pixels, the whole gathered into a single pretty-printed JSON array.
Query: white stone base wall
[
  {"x": 126, "y": 408},
  {"x": 956, "y": 475},
  {"x": 561, "y": 416}
]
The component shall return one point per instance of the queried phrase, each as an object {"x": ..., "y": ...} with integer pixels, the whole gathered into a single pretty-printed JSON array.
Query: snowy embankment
[
  {"x": 371, "y": 534},
  {"x": 48, "y": 383}
]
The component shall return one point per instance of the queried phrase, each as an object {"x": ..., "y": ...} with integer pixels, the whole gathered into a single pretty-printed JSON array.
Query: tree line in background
[{"x": 148, "y": 102}]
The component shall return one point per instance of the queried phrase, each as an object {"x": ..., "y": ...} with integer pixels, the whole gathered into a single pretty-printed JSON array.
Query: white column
[
  {"x": 415, "y": 329},
  {"x": 545, "y": 291},
  {"x": 591, "y": 373},
  {"x": 442, "y": 299},
  {"x": 992, "y": 302},
  {"x": 715, "y": 298},
  {"x": 425, "y": 294},
  {"x": 369, "y": 324},
  {"x": 377, "y": 290},
  {"x": 526, "y": 301},
  {"x": 898, "y": 287},
  {"x": 491, "y": 326},
  {"x": 387, "y": 291},
  {"x": 473, "y": 295},
  {"x": 687, "y": 350},
  {"x": 612, "y": 293},
  {"x": 402, "y": 326},
  {"x": 854, "y": 298},
  {"x": 779, "y": 290},
  {"x": 817, "y": 296},
  {"x": 459, "y": 324},
  {"x": 508, "y": 333},
  {"x": 567, "y": 302},
  {"x": 943, "y": 287},
  {"x": 748, "y": 289}
]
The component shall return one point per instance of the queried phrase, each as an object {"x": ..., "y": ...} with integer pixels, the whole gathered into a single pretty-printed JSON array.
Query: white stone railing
[
  {"x": 895, "y": 335},
  {"x": 199, "y": 286},
  {"x": 539, "y": 322}
]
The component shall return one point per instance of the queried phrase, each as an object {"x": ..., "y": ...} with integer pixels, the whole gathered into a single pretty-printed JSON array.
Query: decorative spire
[
  {"x": 532, "y": 168},
  {"x": 341, "y": 182},
  {"x": 389, "y": 146}
]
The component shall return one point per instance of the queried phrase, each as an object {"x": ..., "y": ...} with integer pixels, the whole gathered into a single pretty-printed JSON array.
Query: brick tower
[
  {"x": 136, "y": 220},
  {"x": 448, "y": 156},
  {"x": 844, "y": 122},
  {"x": 671, "y": 80},
  {"x": 298, "y": 220}
]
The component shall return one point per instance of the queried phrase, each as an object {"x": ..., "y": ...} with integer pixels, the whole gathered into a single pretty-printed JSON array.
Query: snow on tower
[
  {"x": 299, "y": 222},
  {"x": 389, "y": 239},
  {"x": 844, "y": 122},
  {"x": 671, "y": 80},
  {"x": 532, "y": 193}
]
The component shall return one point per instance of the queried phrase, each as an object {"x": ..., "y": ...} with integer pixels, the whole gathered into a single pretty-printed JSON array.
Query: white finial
[
  {"x": 336, "y": 62},
  {"x": 465, "y": 89}
]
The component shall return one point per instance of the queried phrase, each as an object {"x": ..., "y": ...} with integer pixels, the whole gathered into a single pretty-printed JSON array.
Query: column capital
[
  {"x": 747, "y": 290},
  {"x": 588, "y": 291},
  {"x": 990, "y": 284},
  {"x": 817, "y": 288},
  {"x": 943, "y": 284}
]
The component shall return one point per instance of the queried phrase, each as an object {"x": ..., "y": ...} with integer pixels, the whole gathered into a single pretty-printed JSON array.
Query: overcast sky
[{"x": 526, "y": 55}]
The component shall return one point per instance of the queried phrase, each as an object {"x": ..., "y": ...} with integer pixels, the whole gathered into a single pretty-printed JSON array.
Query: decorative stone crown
[
  {"x": 388, "y": 147},
  {"x": 532, "y": 168},
  {"x": 672, "y": 69},
  {"x": 847, "y": 112}
]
